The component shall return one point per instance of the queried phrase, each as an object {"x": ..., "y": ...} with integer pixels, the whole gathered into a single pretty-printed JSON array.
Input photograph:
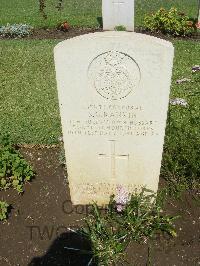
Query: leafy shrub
[
  {"x": 120, "y": 28},
  {"x": 3, "y": 210},
  {"x": 170, "y": 22},
  {"x": 111, "y": 232},
  {"x": 14, "y": 170},
  {"x": 15, "y": 30}
]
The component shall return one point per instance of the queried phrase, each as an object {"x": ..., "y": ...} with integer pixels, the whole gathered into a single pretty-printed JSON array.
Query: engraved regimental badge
[{"x": 114, "y": 75}]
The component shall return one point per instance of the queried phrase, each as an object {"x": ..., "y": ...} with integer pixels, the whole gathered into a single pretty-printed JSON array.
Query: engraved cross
[{"x": 113, "y": 156}]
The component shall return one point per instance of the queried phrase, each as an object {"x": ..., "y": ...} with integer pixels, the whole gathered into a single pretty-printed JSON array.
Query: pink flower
[
  {"x": 122, "y": 198},
  {"x": 198, "y": 25}
]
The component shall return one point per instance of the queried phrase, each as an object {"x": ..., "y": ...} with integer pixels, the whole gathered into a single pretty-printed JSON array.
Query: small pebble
[
  {"x": 179, "y": 81},
  {"x": 195, "y": 68},
  {"x": 178, "y": 101}
]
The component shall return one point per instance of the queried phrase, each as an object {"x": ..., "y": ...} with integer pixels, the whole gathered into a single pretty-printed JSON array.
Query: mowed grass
[
  {"x": 28, "y": 95},
  {"x": 181, "y": 160},
  {"x": 80, "y": 12}
]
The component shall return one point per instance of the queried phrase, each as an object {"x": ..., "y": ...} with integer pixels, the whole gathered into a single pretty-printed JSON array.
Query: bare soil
[
  {"x": 40, "y": 224},
  {"x": 40, "y": 34}
]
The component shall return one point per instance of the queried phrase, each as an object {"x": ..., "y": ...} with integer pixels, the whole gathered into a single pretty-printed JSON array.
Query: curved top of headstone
[{"x": 117, "y": 34}]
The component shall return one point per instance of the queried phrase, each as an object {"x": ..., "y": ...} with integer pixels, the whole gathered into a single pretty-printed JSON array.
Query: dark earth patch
[
  {"x": 40, "y": 34},
  {"x": 37, "y": 230}
]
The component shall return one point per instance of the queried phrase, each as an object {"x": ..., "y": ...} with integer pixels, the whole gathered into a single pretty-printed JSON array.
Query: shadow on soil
[{"x": 67, "y": 249}]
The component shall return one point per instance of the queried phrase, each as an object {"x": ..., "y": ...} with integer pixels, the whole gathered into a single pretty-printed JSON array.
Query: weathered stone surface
[{"x": 113, "y": 90}]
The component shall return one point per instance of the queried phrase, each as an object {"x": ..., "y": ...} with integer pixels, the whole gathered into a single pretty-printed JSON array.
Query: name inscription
[{"x": 113, "y": 120}]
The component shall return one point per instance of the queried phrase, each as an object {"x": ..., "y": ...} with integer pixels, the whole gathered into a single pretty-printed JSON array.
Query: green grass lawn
[
  {"x": 28, "y": 95},
  {"x": 79, "y": 12},
  {"x": 181, "y": 161}
]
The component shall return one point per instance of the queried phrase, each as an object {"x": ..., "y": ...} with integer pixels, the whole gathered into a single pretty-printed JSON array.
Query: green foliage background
[{"x": 80, "y": 12}]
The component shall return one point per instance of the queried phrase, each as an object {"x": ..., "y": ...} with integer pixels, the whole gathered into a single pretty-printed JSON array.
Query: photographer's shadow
[{"x": 68, "y": 249}]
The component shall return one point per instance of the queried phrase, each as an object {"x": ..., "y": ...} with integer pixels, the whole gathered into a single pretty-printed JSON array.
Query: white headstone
[
  {"x": 118, "y": 13},
  {"x": 113, "y": 90},
  {"x": 199, "y": 14}
]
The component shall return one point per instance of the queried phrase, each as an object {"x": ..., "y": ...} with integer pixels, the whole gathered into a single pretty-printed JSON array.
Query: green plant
[
  {"x": 140, "y": 219},
  {"x": 3, "y": 210},
  {"x": 14, "y": 170},
  {"x": 15, "y": 30},
  {"x": 107, "y": 241},
  {"x": 120, "y": 28},
  {"x": 170, "y": 22},
  {"x": 42, "y": 7}
]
